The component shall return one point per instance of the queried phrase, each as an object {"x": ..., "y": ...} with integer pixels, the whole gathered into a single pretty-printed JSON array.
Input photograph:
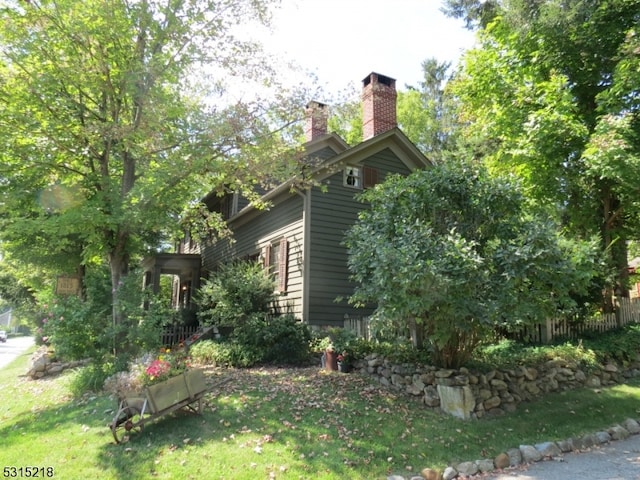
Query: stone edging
[{"x": 526, "y": 454}]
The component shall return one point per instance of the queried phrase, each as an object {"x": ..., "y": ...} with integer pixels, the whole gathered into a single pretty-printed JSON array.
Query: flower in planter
[
  {"x": 166, "y": 365},
  {"x": 146, "y": 370}
]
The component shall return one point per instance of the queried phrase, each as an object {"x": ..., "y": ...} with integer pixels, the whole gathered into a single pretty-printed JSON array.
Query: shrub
[
  {"x": 509, "y": 354},
  {"x": 278, "y": 340},
  {"x": 261, "y": 340},
  {"x": 621, "y": 345},
  {"x": 91, "y": 378},
  {"x": 72, "y": 327},
  {"x": 79, "y": 328},
  {"x": 221, "y": 353},
  {"x": 233, "y": 293}
]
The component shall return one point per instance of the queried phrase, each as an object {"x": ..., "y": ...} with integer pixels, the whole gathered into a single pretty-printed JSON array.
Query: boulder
[
  {"x": 530, "y": 454},
  {"x": 502, "y": 461}
]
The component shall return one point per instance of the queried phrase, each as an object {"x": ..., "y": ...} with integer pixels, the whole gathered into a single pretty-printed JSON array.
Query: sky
[{"x": 342, "y": 41}]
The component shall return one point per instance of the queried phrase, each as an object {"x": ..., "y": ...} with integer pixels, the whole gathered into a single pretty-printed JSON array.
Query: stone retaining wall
[
  {"x": 468, "y": 394},
  {"x": 43, "y": 364}
]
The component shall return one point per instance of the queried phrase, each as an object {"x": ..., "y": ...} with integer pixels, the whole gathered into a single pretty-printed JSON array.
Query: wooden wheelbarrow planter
[{"x": 182, "y": 391}]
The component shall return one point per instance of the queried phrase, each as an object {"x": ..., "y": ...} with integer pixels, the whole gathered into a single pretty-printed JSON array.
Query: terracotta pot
[{"x": 331, "y": 361}]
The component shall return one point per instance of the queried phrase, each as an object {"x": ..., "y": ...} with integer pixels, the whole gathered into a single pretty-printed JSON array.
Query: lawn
[{"x": 278, "y": 423}]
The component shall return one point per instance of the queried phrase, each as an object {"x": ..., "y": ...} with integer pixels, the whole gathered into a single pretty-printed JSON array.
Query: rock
[
  {"x": 415, "y": 389},
  {"x": 457, "y": 401},
  {"x": 499, "y": 384},
  {"x": 485, "y": 465},
  {"x": 603, "y": 437},
  {"x": 618, "y": 433},
  {"x": 593, "y": 382},
  {"x": 610, "y": 367},
  {"x": 40, "y": 364},
  {"x": 375, "y": 362},
  {"x": 57, "y": 368},
  {"x": 431, "y": 398},
  {"x": 444, "y": 373},
  {"x": 532, "y": 388},
  {"x": 395, "y": 477},
  {"x": 530, "y": 454},
  {"x": 467, "y": 468},
  {"x": 430, "y": 474},
  {"x": 632, "y": 426},
  {"x": 484, "y": 394},
  {"x": 449, "y": 473},
  {"x": 502, "y": 461},
  {"x": 492, "y": 402},
  {"x": 515, "y": 457},
  {"x": 548, "y": 449},
  {"x": 530, "y": 374},
  {"x": 584, "y": 442},
  {"x": 565, "y": 445}
]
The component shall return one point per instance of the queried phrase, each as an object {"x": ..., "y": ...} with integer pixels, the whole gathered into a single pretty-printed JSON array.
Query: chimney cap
[
  {"x": 315, "y": 104},
  {"x": 380, "y": 79}
]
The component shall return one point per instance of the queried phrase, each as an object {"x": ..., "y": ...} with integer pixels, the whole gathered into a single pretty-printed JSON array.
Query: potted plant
[
  {"x": 329, "y": 360},
  {"x": 342, "y": 340},
  {"x": 344, "y": 362}
]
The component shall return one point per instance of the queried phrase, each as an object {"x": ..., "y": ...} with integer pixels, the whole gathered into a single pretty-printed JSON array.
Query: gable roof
[{"x": 393, "y": 139}]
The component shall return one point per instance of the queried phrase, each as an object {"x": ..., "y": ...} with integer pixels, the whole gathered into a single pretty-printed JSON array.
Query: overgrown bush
[
  {"x": 79, "y": 328},
  {"x": 234, "y": 293},
  {"x": 509, "y": 354},
  {"x": 621, "y": 345},
  {"x": 91, "y": 378},
  {"x": 260, "y": 340},
  {"x": 74, "y": 328}
]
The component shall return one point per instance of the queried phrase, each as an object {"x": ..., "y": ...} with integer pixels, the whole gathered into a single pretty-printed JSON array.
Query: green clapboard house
[{"x": 299, "y": 238}]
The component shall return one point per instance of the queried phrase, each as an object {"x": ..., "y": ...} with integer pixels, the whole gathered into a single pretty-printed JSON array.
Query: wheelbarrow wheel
[{"x": 128, "y": 420}]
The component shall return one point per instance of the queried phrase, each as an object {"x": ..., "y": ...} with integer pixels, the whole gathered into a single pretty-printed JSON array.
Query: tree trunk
[
  {"x": 615, "y": 247},
  {"x": 417, "y": 333},
  {"x": 119, "y": 267}
]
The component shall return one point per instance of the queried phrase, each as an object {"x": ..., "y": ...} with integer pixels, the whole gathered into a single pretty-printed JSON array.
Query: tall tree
[
  {"x": 117, "y": 116},
  {"x": 550, "y": 94},
  {"x": 452, "y": 252},
  {"x": 425, "y": 111}
]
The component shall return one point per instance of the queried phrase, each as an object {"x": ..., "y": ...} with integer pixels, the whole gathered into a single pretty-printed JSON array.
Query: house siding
[
  {"x": 284, "y": 219},
  {"x": 332, "y": 213}
]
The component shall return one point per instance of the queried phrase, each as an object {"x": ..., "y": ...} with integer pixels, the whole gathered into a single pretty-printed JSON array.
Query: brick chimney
[
  {"x": 378, "y": 105},
  {"x": 316, "y": 120}
]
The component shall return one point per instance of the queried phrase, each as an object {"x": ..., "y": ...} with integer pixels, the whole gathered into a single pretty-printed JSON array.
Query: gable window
[
  {"x": 353, "y": 177},
  {"x": 275, "y": 258}
]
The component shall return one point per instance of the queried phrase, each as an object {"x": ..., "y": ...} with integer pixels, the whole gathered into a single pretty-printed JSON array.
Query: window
[
  {"x": 353, "y": 177},
  {"x": 360, "y": 177},
  {"x": 275, "y": 258}
]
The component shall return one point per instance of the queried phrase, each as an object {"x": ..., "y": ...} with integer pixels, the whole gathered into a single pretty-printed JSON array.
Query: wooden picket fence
[{"x": 627, "y": 311}]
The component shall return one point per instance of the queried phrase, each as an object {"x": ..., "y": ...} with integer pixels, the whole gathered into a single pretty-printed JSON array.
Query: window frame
[
  {"x": 273, "y": 255},
  {"x": 352, "y": 172}
]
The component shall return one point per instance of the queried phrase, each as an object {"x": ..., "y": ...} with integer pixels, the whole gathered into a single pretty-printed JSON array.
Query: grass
[{"x": 278, "y": 423}]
